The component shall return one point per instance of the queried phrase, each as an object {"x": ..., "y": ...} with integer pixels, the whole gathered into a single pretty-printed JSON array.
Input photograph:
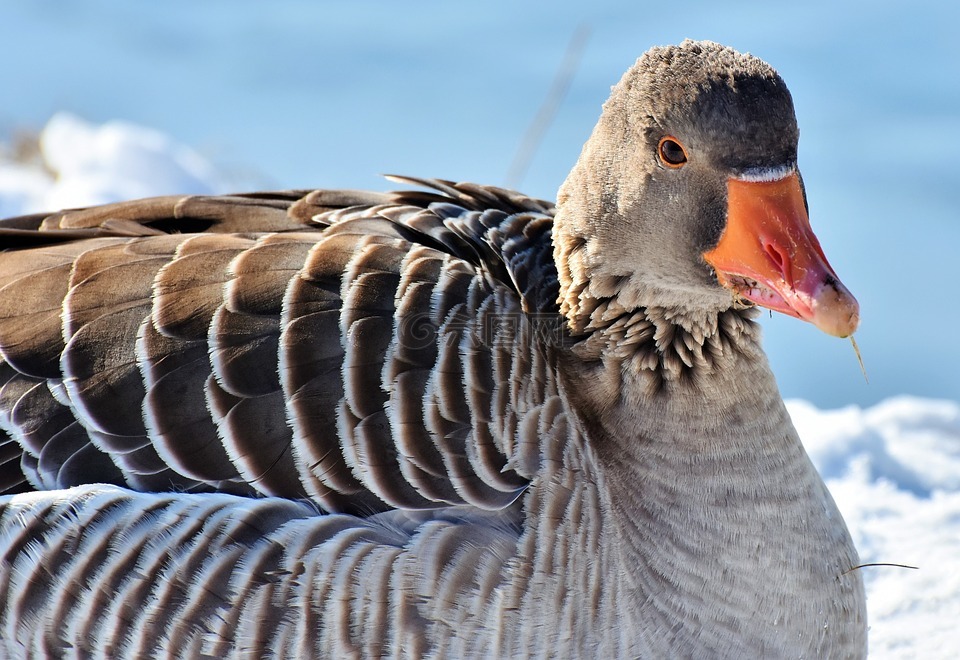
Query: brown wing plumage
[{"x": 368, "y": 351}]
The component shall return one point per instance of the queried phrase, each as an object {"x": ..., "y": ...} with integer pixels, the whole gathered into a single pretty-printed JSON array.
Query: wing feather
[{"x": 369, "y": 351}]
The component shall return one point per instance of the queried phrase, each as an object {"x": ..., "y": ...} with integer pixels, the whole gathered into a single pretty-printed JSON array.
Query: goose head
[{"x": 687, "y": 197}]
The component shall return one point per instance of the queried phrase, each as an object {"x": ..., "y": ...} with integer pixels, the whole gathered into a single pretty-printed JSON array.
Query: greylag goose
[{"x": 445, "y": 422}]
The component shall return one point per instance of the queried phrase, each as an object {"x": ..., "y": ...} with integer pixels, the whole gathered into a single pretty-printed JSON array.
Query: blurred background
[{"x": 292, "y": 94}]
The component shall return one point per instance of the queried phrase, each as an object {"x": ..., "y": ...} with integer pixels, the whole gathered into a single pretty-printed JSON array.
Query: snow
[
  {"x": 85, "y": 164},
  {"x": 893, "y": 468}
]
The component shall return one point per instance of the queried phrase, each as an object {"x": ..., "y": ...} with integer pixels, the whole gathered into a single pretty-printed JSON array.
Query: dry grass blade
[
  {"x": 856, "y": 349},
  {"x": 534, "y": 135}
]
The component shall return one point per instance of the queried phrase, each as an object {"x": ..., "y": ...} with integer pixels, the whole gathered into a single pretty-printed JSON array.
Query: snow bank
[
  {"x": 894, "y": 470},
  {"x": 84, "y": 164}
]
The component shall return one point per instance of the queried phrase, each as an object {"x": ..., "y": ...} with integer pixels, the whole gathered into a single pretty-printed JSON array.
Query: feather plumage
[{"x": 447, "y": 422}]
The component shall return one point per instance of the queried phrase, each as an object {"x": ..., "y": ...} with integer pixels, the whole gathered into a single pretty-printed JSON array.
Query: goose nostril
[{"x": 778, "y": 257}]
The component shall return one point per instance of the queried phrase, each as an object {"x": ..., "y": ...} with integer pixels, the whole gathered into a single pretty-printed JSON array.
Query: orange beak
[{"x": 769, "y": 256}]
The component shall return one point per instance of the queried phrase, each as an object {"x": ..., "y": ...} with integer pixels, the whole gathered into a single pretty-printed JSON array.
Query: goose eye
[{"x": 671, "y": 153}]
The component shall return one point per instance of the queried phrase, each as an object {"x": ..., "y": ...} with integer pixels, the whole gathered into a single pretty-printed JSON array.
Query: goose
[{"x": 450, "y": 421}]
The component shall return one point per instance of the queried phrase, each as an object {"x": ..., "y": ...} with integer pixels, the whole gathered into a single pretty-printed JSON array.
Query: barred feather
[{"x": 272, "y": 362}]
